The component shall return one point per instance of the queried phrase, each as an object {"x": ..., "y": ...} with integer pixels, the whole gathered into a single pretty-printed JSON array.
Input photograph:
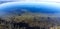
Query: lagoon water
[{"x": 42, "y": 7}]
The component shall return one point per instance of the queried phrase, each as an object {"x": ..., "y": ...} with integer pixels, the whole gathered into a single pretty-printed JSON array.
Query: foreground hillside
[{"x": 33, "y": 20}]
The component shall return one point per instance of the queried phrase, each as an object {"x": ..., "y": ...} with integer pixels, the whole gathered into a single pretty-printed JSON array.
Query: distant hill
[{"x": 4, "y": 2}]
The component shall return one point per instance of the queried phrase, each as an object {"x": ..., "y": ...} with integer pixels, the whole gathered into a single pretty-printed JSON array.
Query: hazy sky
[
  {"x": 34, "y": 0},
  {"x": 31, "y": 0}
]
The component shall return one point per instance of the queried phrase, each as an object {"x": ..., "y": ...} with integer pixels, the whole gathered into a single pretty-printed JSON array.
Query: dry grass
[{"x": 32, "y": 19}]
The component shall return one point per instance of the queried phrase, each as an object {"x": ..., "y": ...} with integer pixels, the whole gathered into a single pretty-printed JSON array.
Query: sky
[
  {"x": 33, "y": 0},
  {"x": 3, "y": 1}
]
